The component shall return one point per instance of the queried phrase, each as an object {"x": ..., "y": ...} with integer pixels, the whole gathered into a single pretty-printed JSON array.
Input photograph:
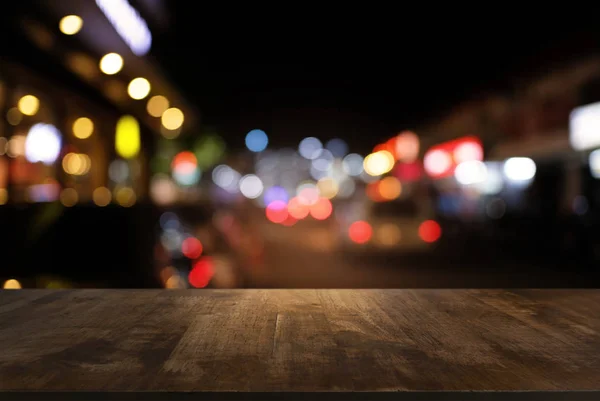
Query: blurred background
[{"x": 144, "y": 147}]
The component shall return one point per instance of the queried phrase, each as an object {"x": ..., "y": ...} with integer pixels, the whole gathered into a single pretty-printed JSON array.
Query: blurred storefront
[
  {"x": 85, "y": 109},
  {"x": 104, "y": 143}
]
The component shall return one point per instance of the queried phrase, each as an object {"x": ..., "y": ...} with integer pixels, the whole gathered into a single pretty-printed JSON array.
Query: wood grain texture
[{"x": 300, "y": 340}]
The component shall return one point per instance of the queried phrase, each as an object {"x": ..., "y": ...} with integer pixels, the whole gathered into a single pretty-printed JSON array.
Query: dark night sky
[{"x": 363, "y": 87}]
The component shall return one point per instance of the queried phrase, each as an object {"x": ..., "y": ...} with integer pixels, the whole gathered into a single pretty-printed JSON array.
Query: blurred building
[
  {"x": 84, "y": 109},
  {"x": 529, "y": 118}
]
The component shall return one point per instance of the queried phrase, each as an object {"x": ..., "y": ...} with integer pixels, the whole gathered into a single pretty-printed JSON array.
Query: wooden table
[{"x": 300, "y": 340}]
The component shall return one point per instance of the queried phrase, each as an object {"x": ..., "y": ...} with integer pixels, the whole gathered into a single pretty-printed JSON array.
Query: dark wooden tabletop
[{"x": 299, "y": 340}]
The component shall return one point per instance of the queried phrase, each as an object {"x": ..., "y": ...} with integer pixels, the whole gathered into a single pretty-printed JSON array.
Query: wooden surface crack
[{"x": 276, "y": 334}]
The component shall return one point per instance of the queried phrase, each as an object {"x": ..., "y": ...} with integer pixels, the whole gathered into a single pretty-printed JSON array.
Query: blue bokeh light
[
  {"x": 338, "y": 147},
  {"x": 275, "y": 193},
  {"x": 257, "y": 140}
]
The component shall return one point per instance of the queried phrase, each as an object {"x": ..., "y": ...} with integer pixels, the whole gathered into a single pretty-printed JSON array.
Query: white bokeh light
[
  {"x": 43, "y": 144},
  {"x": 324, "y": 161},
  {"x": 584, "y": 127},
  {"x": 594, "y": 161},
  {"x": 251, "y": 186},
  {"x": 310, "y": 148},
  {"x": 518, "y": 169},
  {"x": 353, "y": 164},
  {"x": 118, "y": 171},
  {"x": 494, "y": 182},
  {"x": 437, "y": 162},
  {"x": 468, "y": 151},
  {"x": 471, "y": 172},
  {"x": 226, "y": 178}
]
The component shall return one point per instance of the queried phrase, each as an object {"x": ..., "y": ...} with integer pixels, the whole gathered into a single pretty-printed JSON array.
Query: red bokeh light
[
  {"x": 408, "y": 171},
  {"x": 184, "y": 162},
  {"x": 441, "y": 160},
  {"x": 430, "y": 231},
  {"x": 322, "y": 209},
  {"x": 389, "y": 146},
  {"x": 202, "y": 272},
  {"x": 360, "y": 232},
  {"x": 277, "y": 212},
  {"x": 290, "y": 221},
  {"x": 191, "y": 248}
]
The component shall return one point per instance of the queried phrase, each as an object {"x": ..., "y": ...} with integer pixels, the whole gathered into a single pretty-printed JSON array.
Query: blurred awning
[
  {"x": 99, "y": 37},
  {"x": 551, "y": 146}
]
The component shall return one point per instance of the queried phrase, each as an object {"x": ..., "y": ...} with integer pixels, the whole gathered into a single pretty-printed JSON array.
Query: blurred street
[{"x": 306, "y": 256}]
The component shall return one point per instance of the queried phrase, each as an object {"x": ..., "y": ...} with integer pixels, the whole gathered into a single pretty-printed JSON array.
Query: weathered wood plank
[{"x": 300, "y": 340}]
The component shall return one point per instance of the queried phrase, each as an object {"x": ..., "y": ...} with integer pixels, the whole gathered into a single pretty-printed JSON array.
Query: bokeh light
[
  {"x": 70, "y": 24},
  {"x": 76, "y": 164},
  {"x": 251, "y": 186},
  {"x": 172, "y": 119},
  {"x": 310, "y": 148},
  {"x": 29, "y": 105},
  {"x": 191, "y": 248},
  {"x": 437, "y": 162},
  {"x": 102, "y": 196},
  {"x": 209, "y": 150},
  {"x": 163, "y": 190},
  {"x": 125, "y": 197},
  {"x": 202, "y": 272},
  {"x": 430, "y": 231},
  {"x": 379, "y": 163},
  {"x": 83, "y": 128},
  {"x": 127, "y": 139},
  {"x": 11, "y": 284},
  {"x": 111, "y": 63},
  {"x": 297, "y": 209},
  {"x": 322, "y": 209},
  {"x": 118, "y": 171},
  {"x": 275, "y": 193},
  {"x": 338, "y": 147},
  {"x": 328, "y": 187},
  {"x": 157, "y": 105},
  {"x": 324, "y": 161},
  {"x": 390, "y": 188},
  {"x": 277, "y": 211},
  {"x": 69, "y": 197},
  {"x": 257, "y": 140},
  {"x": 353, "y": 164},
  {"x": 43, "y": 144},
  {"x": 138, "y": 88},
  {"x": 360, "y": 232},
  {"x": 407, "y": 147}
]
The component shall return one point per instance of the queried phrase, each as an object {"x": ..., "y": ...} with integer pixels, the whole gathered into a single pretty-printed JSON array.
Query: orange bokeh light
[
  {"x": 297, "y": 209},
  {"x": 322, "y": 209}
]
